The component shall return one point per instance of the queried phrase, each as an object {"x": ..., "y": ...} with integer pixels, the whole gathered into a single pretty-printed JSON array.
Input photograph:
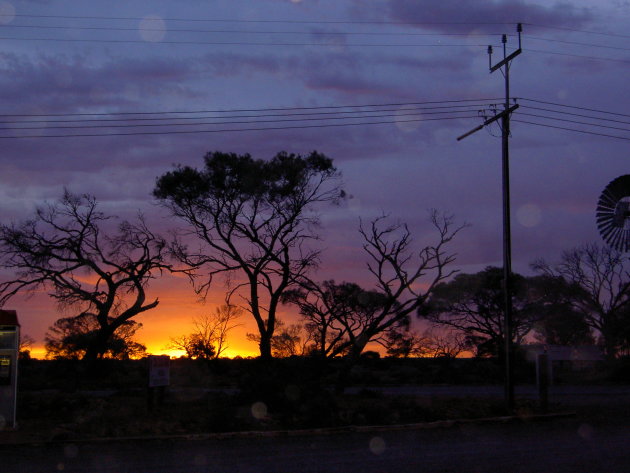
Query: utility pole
[{"x": 504, "y": 66}]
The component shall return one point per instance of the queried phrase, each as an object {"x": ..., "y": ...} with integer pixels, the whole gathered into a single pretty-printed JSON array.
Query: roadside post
[
  {"x": 9, "y": 347},
  {"x": 542, "y": 379},
  {"x": 159, "y": 379}
]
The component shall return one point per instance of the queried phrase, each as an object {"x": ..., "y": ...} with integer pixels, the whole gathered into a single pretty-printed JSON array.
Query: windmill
[{"x": 613, "y": 213}]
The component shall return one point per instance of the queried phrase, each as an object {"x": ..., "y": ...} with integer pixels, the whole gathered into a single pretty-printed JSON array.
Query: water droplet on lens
[
  {"x": 7, "y": 13},
  {"x": 377, "y": 445},
  {"x": 585, "y": 431},
  {"x": 292, "y": 392},
  {"x": 70, "y": 451},
  {"x": 152, "y": 28},
  {"x": 200, "y": 460},
  {"x": 259, "y": 410},
  {"x": 529, "y": 215},
  {"x": 408, "y": 118}
]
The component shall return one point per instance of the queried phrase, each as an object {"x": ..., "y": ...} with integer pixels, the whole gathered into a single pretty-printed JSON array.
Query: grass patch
[{"x": 63, "y": 416}]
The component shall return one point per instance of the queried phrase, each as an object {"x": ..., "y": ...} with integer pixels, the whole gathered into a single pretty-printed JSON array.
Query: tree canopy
[
  {"x": 599, "y": 278},
  {"x": 254, "y": 222},
  {"x": 473, "y": 304},
  {"x": 345, "y": 317},
  {"x": 72, "y": 338},
  {"x": 208, "y": 340}
]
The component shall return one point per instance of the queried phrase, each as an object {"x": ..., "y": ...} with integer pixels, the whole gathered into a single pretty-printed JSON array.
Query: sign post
[
  {"x": 9, "y": 347},
  {"x": 159, "y": 378}
]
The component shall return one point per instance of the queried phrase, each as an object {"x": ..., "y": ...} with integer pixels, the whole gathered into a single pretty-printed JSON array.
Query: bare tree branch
[{"x": 65, "y": 251}]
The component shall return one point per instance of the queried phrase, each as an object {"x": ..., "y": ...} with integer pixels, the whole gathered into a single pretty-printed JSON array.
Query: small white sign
[{"x": 159, "y": 370}]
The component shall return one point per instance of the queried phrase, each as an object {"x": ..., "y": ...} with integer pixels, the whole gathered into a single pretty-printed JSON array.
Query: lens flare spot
[
  {"x": 408, "y": 118},
  {"x": 152, "y": 28},
  {"x": 377, "y": 445},
  {"x": 585, "y": 431},
  {"x": 7, "y": 13},
  {"x": 529, "y": 215},
  {"x": 63, "y": 78},
  {"x": 200, "y": 460},
  {"x": 259, "y": 410},
  {"x": 98, "y": 94},
  {"x": 474, "y": 39},
  {"x": 71, "y": 451},
  {"x": 61, "y": 466},
  {"x": 292, "y": 392},
  {"x": 562, "y": 94}
]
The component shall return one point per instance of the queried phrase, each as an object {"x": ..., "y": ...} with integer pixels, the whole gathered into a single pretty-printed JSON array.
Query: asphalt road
[{"x": 560, "y": 445}]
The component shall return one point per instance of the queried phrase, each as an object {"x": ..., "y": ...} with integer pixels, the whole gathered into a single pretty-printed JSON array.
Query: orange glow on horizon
[{"x": 173, "y": 317}]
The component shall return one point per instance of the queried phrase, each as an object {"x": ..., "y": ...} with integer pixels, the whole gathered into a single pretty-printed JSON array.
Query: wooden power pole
[{"x": 504, "y": 117}]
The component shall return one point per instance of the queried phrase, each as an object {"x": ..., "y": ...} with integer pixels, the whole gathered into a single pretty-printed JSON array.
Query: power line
[
  {"x": 572, "y": 114},
  {"x": 285, "y": 21},
  {"x": 245, "y": 122},
  {"x": 229, "y": 130},
  {"x": 187, "y": 30},
  {"x": 576, "y": 30},
  {"x": 565, "y": 120},
  {"x": 327, "y": 115},
  {"x": 296, "y": 44},
  {"x": 423, "y": 110},
  {"x": 546, "y": 125},
  {"x": 244, "y": 110},
  {"x": 289, "y": 44},
  {"x": 556, "y": 53},
  {"x": 294, "y": 32},
  {"x": 576, "y": 43},
  {"x": 573, "y": 107},
  {"x": 239, "y": 43},
  {"x": 315, "y": 22}
]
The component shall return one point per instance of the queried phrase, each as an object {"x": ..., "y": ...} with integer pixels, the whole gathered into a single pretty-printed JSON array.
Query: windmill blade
[{"x": 613, "y": 213}]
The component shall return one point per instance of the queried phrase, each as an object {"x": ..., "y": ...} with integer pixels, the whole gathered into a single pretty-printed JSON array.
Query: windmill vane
[{"x": 613, "y": 213}]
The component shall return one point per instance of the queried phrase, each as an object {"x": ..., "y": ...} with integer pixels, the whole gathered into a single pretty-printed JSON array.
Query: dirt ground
[{"x": 45, "y": 416}]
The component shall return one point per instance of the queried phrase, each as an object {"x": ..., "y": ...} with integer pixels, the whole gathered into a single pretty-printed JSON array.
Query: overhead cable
[{"x": 230, "y": 130}]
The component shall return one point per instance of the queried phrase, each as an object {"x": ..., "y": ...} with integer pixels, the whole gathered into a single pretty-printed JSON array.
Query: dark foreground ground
[
  {"x": 595, "y": 437},
  {"x": 584, "y": 443},
  {"x": 241, "y": 416}
]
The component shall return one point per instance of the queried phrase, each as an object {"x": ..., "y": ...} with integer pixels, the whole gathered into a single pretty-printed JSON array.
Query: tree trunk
[
  {"x": 609, "y": 335},
  {"x": 98, "y": 347},
  {"x": 265, "y": 346}
]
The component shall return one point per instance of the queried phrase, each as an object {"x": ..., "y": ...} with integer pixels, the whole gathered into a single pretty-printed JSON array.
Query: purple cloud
[{"x": 484, "y": 15}]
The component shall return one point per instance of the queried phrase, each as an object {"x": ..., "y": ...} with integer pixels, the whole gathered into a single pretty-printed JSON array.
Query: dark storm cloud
[
  {"x": 61, "y": 83},
  {"x": 347, "y": 74},
  {"x": 481, "y": 14}
]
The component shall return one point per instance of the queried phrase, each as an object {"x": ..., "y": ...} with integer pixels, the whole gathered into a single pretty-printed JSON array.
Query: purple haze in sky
[{"x": 69, "y": 57}]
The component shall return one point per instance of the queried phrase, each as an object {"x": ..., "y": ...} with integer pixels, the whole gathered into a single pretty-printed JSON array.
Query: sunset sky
[{"x": 297, "y": 75}]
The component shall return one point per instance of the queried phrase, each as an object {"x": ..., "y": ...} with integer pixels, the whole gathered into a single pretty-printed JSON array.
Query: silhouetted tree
[
  {"x": 405, "y": 344},
  {"x": 559, "y": 323},
  {"x": 321, "y": 306},
  {"x": 349, "y": 317},
  {"x": 473, "y": 304},
  {"x": 25, "y": 346},
  {"x": 73, "y": 337},
  {"x": 65, "y": 249},
  {"x": 289, "y": 340},
  {"x": 252, "y": 217},
  {"x": 600, "y": 281},
  {"x": 622, "y": 333},
  {"x": 208, "y": 339},
  {"x": 195, "y": 345},
  {"x": 447, "y": 343}
]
